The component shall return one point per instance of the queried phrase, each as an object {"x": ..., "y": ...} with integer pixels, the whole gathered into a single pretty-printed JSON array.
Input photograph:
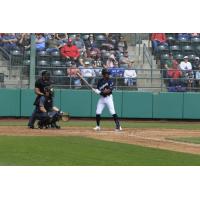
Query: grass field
[{"x": 82, "y": 151}]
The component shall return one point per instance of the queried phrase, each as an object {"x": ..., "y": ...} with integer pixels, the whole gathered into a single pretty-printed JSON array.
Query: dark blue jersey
[
  {"x": 45, "y": 102},
  {"x": 105, "y": 84}
]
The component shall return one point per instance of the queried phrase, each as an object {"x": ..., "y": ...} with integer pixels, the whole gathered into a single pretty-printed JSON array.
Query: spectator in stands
[
  {"x": 52, "y": 44},
  {"x": 9, "y": 42},
  {"x": 72, "y": 73},
  {"x": 62, "y": 38},
  {"x": 197, "y": 76},
  {"x": 122, "y": 45},
  {"x": 91, "y": 43},
  {"x": 125, "y": 61},
  {"x": 130, "y": 76},
  {"x": 70, "y": 51},
  {"x": 79, "y": 43},
  {"x": 88, "y": 72},
  {"x": 111, "y": 62},
  {"x": 157, "y": 39},
  {"x": 189, "y": 75},
  {"x": 185, "y": 65},
  {"x": 194, "y": 35},
  {"x": 109, "y": 43},
  {"x": 84, "y": 58},
  {"x": 24, "y": 41},
  {"x": 174, "y": 74},
  {"x": 40, "y": 42},
  {"x": 196, "y": 63}
]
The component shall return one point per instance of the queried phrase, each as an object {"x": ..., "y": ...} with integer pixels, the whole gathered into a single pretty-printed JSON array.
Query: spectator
[
  {"x": 62, "y": 39},
  {"x": 72, "y": 73},
  {"x": 9, "y": 41},
  {"x": 70, "y": 51},
  {"x": 40, "y": 42},
  {"x": 130, "y": 76},
  {"x": 122, "y": 45},
  {"x": 85, "y": 58},
  {"x": 174, "y": 74},
  {"x": 88, "y": 72},
  {"x": 79, "y": 43},
  {"x": 168, "y": 64},
  {"x": 90, "y": 43},
  {"x": 196, "y": 63},
  {"x": 125, "y": 61},
  {"x": 185, "y": 65},
  {"x": 24, "y": 41},
  {"x": 52, "y": 44},
  {"x": 197, "y": 76},
  {"x": 189, "y": 75},
  {"x": 158, "y": 39},
  {"x": 111, "y": 62}
]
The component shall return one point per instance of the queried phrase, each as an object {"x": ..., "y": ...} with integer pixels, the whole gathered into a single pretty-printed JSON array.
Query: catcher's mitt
[{"x": 65, "y": 117}]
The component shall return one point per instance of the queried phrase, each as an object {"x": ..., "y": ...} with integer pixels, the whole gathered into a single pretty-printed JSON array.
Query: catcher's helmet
[
  {"x": 105, "y": 71},
  {"x": 50, "y": 90}
]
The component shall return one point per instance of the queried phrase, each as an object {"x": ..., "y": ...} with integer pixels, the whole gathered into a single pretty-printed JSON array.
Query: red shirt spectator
[
  {"x": 161, "y": 37},
  {"x": 70, "y": 50},
  {"x": 174, "y": 73}
]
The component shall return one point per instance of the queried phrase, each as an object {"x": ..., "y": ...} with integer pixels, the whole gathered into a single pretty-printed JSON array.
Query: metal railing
[{"x": 148, "y": 56}]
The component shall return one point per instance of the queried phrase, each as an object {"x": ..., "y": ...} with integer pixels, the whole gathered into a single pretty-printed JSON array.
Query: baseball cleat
[
  {"x": 118, "y": 129},
  {"x": 97, "y": 128}
]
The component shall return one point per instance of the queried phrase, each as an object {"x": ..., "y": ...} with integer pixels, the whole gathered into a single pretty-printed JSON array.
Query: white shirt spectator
[
  {"x": 130, "y": 76},
  {"x": 185, "y": 65},
  {"x": 130, "y": 73},
  {"x": 87, "y": 72}
]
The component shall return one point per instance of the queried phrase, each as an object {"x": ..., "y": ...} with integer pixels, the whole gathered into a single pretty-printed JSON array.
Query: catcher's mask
[{"x": 50, "y": 90}]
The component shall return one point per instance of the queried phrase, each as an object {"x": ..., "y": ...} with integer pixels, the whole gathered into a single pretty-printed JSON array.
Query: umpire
[{"x": 40, "y": 84}]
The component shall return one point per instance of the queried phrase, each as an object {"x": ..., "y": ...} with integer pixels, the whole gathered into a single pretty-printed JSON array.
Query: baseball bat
[{"x": 79, "y": 75}]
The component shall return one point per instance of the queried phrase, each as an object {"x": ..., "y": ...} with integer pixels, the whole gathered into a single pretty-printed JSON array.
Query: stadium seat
[
  {"x": 183, "y": 41},
  {"x": 16, "y": 58},
  {"x": 191, "y": 58},
  {"x": 58, "y": 77},
  {"x": 85, "y": 37},
  {"x": 100, "y": 38},
  {"x": 195, "y": 41},
  {"x": 42, "y": 63},
  {"x": 186, "y": 50},
  {"x": 171, "y": 40},
  {"x": 164, "y": 56},
  {"x": 175, "y": 49},
  {"x": 197, "y": 50},
  {"x": 43, "y": 55},
  {"x": 56, "y": 63},
  {"x": 178, "y": 57},
  {"x": 161, "y": 49},
  {"x": 27, "y": 62}
]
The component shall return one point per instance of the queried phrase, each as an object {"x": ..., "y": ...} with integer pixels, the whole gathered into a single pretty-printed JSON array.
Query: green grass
[
  {"x": 80, "y": 151},
  {"x": 125, "y": 124},
  {"x": 194, "y": 140}
]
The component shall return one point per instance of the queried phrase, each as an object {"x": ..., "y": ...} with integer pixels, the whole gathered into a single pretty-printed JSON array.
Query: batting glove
[{"x": 96, "y": 91}]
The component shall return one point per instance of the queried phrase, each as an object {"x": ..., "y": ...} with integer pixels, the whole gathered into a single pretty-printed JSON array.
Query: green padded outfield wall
[
  {"x": 191, "y": 109},
  {"x": 76, "y": 102},
  {"x": 128, "y": 104},
  {"x": 168, "y": 105},
  {"x": 137, "y": 104},
  {"x": 10, "y": 102}
]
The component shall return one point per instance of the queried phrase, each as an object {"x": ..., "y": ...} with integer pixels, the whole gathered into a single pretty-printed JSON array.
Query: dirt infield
[{"x": 144, "y": 137}]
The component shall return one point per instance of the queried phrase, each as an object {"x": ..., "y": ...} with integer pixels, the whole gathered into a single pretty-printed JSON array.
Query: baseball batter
[{"x": 104, "y": 88}]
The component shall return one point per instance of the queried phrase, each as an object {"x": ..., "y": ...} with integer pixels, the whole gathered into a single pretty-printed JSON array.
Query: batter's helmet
[{"x": 105, "y": 71}]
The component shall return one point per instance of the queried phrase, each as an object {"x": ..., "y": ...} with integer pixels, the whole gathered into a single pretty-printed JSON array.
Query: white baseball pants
[{"x": 105, "y": 101}]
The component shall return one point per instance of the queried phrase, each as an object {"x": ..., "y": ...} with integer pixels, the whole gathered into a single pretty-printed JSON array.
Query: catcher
[{"x": 47, "y": 114}]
